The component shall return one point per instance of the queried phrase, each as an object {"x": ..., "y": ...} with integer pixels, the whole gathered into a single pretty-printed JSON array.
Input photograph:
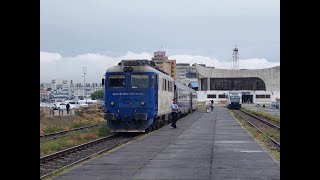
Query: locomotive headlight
[
  {"x": 142, "y": 103},
  {"x": 112, "y": 103}
]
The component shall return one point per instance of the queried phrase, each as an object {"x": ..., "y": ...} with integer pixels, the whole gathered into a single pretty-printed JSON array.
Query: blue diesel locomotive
[{"x": 138, "y": 96}]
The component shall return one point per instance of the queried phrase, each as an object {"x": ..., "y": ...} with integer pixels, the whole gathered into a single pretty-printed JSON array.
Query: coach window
[
  {"x": 139, "y": 81},
  {"x": 117, "y": 81}
]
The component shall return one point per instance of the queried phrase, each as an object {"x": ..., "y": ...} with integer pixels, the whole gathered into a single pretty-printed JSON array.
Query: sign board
[{"x": 160, "y": 54}]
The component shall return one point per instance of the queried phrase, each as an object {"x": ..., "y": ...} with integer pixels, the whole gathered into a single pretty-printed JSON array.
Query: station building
[{"x": 259, "y": 86}]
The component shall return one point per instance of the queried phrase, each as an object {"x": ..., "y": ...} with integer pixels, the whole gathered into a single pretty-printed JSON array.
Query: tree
[{"x": 97, "y": 95}]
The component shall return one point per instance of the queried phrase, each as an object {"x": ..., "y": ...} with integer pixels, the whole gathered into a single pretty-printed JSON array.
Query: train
[
  {"x": 234, "y": 100},
  {"x": 138, "y": 96}
]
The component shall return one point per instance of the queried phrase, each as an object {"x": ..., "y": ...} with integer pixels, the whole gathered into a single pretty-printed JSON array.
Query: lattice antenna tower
[{"x": 235, "y": 56}]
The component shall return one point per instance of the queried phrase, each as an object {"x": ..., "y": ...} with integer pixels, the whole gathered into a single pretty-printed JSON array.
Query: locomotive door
[
  {"x": 190, "y": 102},
  {"x": 155, "y": 83},
  {"x": 175, "y": 94}
]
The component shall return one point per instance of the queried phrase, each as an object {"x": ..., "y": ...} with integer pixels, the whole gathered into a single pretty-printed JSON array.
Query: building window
[
  {"x": 262, "y": 96},
  {"x": 211, "y": 96},
  {"x": 222, "y": 96},
  {"x": 252, "y": 83},
  {"x": 204, "y": 84}
]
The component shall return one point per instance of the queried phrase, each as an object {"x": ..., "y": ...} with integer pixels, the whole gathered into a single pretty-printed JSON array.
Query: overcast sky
[{"x": 99, "y": 33}]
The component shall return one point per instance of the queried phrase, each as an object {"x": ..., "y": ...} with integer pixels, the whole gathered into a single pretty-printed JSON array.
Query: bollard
[{"x": 59, "y": 111}]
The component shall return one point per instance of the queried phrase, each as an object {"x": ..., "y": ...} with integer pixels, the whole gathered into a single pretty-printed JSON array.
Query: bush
[{"x": 104, "y": 130}]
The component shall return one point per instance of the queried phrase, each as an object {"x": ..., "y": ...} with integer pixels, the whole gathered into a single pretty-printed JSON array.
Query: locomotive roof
[{"x": 138, "y": 69}]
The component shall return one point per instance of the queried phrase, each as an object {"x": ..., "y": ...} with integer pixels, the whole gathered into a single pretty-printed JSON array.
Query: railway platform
[{"x": 204, "y": 146}]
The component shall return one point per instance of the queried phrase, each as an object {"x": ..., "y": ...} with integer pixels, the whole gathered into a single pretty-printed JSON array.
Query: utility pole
[{"x": 84, "y": 80}]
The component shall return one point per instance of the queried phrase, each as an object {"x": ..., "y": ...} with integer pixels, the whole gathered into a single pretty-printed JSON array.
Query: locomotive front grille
[{"x": 140, "y": 116}]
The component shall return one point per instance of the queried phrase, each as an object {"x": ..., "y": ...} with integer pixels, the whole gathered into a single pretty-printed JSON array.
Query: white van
[{"x": 76, "y": 104}]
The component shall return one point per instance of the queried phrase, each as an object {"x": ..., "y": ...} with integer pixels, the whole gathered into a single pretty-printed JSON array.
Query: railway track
[
  {"x": 270, "y": 123},
  {"x": 52, "y": 163},
  {"x": 61, "y": 133},
  {"x": 260, "y": 126}
]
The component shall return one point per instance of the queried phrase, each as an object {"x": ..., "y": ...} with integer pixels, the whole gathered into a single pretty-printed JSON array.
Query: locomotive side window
[
  {"x": 117, "y": 81},
  {"x": 170, "y": 87},
  {"x": 139, "y": 81},
  {"x": 154, "y": 81},
  {"x": 165, "y": 85}
]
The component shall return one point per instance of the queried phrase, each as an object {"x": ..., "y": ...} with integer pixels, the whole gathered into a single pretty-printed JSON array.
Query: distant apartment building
[
  {"x": 64, "y": 89},
  {"x": 186, "y": 73},
  {"x": 77, "y": 90},
  {"x": 45, "y": 86},
  {"x": 162, "y": 61},
  {"x": 44, "y": 95}
]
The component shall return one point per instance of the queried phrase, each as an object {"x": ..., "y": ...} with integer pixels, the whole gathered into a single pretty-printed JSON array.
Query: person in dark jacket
[
  {"x": 211, "y": 105},
  {"x": 68, "y": 107}
]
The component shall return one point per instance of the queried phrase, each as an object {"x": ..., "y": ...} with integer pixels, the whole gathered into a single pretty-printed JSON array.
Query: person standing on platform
[
  {"x": 174, "y": 113},
  {"x": 211, "y": 105}
]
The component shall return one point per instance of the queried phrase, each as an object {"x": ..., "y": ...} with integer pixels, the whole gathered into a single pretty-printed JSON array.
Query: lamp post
[{"x": 84, "y": 80}]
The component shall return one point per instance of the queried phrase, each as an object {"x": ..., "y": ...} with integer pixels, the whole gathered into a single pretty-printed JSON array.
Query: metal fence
[
  {"x": 60, "y": 112},
  {"x": 46, "y": 111}
]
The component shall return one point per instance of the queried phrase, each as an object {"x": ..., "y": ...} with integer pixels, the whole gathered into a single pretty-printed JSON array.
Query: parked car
[{"x": 84, "y": 105}]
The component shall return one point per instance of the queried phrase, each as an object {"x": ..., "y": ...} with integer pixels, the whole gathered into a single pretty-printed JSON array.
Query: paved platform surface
[{"x": 204, "y": 146}]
